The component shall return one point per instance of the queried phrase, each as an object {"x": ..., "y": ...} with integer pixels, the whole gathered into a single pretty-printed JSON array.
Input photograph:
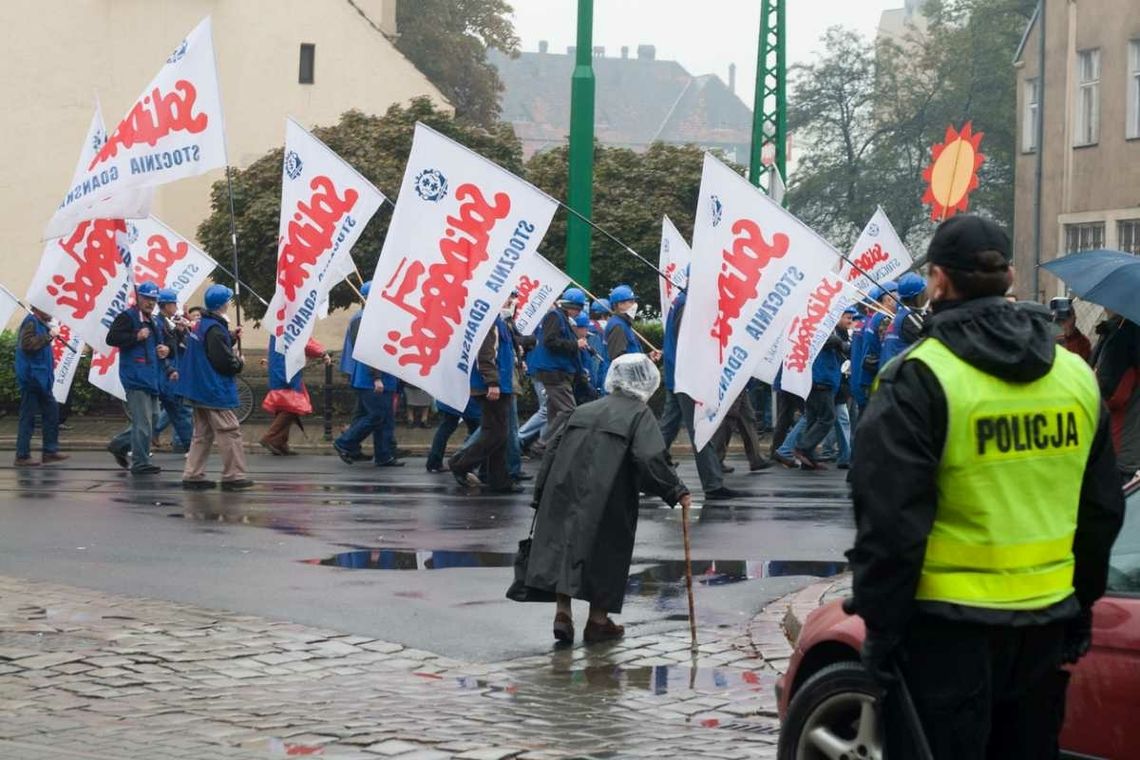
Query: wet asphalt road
[{"x": 89, "y": 524}]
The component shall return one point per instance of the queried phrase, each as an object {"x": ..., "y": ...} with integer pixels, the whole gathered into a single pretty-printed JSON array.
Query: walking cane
[
  {"x": 689, "y": 576},
  {"x": 910, "y": 714}
]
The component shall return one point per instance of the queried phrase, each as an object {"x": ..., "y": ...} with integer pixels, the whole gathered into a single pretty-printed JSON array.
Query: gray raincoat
[{"x": 587, "y": 499}]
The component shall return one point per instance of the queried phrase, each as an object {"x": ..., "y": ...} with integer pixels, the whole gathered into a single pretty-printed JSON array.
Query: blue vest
[
  {"x": 633, "y": 345},
  {"x": 893, "y": 344},
  {"x": 506, "y": 362},
  {"x": 201, "y": 383},
  {"x": 669, "y": 349},
  {"x": 857, "y": 353},
  {"x": 872, "y": 346},
  {"x": 471, "y": 412},
  {"x": 827, "y": 369},
  {"x": 277, "y": 379},
  {"x": 170, "y": 389},
  {"x": 35, "y": 369},
  {"x": 598, "y": 362},
  {"x": 543, "y": 359},
  {"x": 360, "y": 374},
  {"x": 347, "y": 363},
  {"x": 140, "y": 369}
]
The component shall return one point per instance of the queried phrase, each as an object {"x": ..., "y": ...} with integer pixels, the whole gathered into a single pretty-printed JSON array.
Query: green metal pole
[
  {"x": 581, "y": 181},
  {"x": 754, "y": 165},
  {"x": 781, "y": 90},
  {"x": 770, "y": 107}
]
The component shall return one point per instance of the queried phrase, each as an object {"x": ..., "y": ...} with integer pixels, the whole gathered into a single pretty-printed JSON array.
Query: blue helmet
[
  {"x": 622, "y": 293},
  {"x": 148, "y": 289},
  {"x": 217, "y": 296},
  {"x": 167, "y": 295},
  {"x": 573, "y": 297},
  {"x": 911, "y": 284},
  {"x": 601, "y": 306},
  {"x": 852, "y": 311},
  {"x": 582, "y": 321},
  {"x": 365, "y": 287}
]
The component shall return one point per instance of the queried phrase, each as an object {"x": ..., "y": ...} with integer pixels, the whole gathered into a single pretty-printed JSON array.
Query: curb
[{"x": 773, "y": 632}]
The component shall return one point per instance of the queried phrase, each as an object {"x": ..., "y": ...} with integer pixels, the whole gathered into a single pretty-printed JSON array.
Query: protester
[
  {"x": 871, "y": 341},
  {"x": 211, "y": 366},
  {"x": 288, "y": 399},
  {"x": 1070, "y": 335},
  {"x": 143, "y": 353},
  {"x": 976, "y": 565},
  {"x": 35, "y": 376},
  {"x": 585, "y": 528},
  {"x": 449, "y": 420},
  {"x": 170, "y": 400},
  {"x": 819, "y": 408},
  {"x": 907, "y": 323},
  {"x": 586, "y": 384},
  {"x": 556, "y": 362},
  {"x": 375, "y": 400},
  {"x": 671, "y": 418},
  {"x": 619, "y": 334},
  {"x": 741, "y": 419},
  {"x": 1116, "y": 362},
  {"x": 493, "y": 382},
  {"x": 788, "y": 405}
]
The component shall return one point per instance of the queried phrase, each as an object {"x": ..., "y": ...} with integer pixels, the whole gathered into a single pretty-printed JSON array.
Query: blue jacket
[
  {"x": 669, "y": 349},
  {"x": 857, "y": 353},
  {"x": 504, "y": 362},
  {"x": 872, "y": 348},
  {"x": 542, "y": 359},
  {"x": 35, "y": 369},
  {"x": 277, "y": 379},
  {"x": 598, "y": 363},
  {"x": 633, "y": 345},
  {"x": 140, "y": 369},
  {"x": 167, "y": 388},
  {"x": 893, "y": 341},
  {"x": 200, "y": 383},
  {"x": 827, "y": 367},
  {"x": 361, "y": 376}
]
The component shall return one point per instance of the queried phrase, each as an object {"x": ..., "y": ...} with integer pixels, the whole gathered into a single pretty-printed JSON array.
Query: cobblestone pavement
[{"x": 84, "y": 674}]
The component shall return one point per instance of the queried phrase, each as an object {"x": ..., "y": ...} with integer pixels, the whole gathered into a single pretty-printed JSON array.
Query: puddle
[
  {"x": 402, "y": 559},
  {"x": 665, "y": 679}
]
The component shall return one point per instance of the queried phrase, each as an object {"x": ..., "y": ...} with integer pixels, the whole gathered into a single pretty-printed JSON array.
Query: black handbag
[{"x": 519, "y": 591}]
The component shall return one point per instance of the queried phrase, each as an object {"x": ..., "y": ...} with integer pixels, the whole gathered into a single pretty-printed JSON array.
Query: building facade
[
  {"x": 310, "y": 59},
  {"x": 1089, "y": 108}
]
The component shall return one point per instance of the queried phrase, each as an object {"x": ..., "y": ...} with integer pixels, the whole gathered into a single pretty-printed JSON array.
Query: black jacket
[
  {"x": 899, "y": 444},
  {"x": 220, "y": 352}
]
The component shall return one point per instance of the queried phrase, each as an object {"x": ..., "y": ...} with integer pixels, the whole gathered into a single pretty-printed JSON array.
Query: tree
[
  {"x": 631, "y": 193},
  {"x": 448, "y": 39},
  {"x": 377, "y": 147}
]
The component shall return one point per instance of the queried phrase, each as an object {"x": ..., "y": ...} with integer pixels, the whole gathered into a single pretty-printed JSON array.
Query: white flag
[
  {"x": 104, "y": 373},
  {"x": 167, "y": 259},
  {"x": 341, "y": 268},
  {"x": 461, "y": 230},
  {"x": 66, "y": 353},
  {"x": 174, "y": 130},
  {"x": 810, "y": 328},
  {"x": 754, "y": 268},
  {"x": 878, "y": 252},
  {"x": 325, "y": 205},
  {"x": 540, "y": 285},
  {"x": 674, "y": 258},
  {"x": 776, "y": 187}
]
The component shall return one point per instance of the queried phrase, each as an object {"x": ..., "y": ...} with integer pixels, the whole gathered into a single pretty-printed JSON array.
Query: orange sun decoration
[{"x": 953, "y": 172}]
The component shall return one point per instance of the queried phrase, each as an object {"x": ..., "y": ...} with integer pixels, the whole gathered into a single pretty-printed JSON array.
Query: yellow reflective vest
[{"x": 1009, "y": 482}]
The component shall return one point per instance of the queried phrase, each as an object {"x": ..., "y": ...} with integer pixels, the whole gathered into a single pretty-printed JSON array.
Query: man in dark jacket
[
  {"x": 556, "y": 361},
  {"x": 1116, "y": 362},
  {"x": 493, "y": 382},
  {"x": 35, "y": 376},
  {"x": 986, "y": 504},
  {"x": 819, "y": 408},
  {"x": 143, "y": 352},
  {"x": 585, "y": 528},
  {"x": 210, "y": 368}
]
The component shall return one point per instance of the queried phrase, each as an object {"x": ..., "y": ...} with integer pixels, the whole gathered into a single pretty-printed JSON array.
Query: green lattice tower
[{"x": 769, "y": 112}]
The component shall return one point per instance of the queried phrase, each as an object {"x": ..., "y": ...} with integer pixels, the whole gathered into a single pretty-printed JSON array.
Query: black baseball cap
[{"x": 959, "y": 241}]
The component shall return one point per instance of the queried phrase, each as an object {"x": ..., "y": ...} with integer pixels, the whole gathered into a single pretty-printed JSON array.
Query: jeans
[
  {"x": 33, "y": 400},
  {"x": 786, "y": 406},
  {"x": 708, "y": 464},
  {"x": 378, "y": 420},
  {"x": 143, "y": 408},
  {"x": 448, "y": 423},
  {"x": 532, "y": 428},
  {"x": 670, "y": 419},
  {"x": 843, "y": 433},
  {"x": 176, "y": 413},
  {"x": 787, "y": 448}
]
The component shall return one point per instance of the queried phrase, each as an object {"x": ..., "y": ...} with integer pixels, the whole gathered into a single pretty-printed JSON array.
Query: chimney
[
  {"x": 599, "y": 51},
  {"x": 625, "y": 51},
  {"x": 732, "y": 78},
  {"x": 543, "y": 46},
  {"x": 646, "y": 52},
  {"x": 571, "y": 50}
]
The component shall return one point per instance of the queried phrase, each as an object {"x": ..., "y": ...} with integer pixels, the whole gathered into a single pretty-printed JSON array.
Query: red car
[{"x": 827, "y": 700}]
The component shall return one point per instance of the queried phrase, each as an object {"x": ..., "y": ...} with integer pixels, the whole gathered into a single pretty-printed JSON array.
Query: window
[
  {"x": 1128, "y": 235},
  {"x": 308, "y": 62},
  {"x": 1088, "y": 97},
  {"x": 1084, "y": 237},
  {"x": 1133, "y": 128},
  {"x": 1029, "y": 118}
]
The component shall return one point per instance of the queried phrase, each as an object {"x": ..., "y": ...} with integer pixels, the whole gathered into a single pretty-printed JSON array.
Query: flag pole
[
  {"x": 28, "y": 309},
  {"x": 234, "y": 242},
  {"x": 605, "y": 232},
  {"x": 252, "y": 292}
]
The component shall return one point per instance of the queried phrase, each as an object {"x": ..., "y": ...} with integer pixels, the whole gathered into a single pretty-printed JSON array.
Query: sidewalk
[{"x": 96, "y": 676}]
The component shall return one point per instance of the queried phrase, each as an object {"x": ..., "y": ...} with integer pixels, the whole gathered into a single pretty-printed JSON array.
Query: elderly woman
[{"x": 587, "y": 499}]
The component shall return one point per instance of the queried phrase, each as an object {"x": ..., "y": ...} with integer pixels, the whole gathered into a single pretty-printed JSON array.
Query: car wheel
[{"x": 833, "y": 716}]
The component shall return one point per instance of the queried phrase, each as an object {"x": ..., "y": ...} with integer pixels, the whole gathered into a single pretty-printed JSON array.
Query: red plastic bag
[{"x": 288, "y": 400}]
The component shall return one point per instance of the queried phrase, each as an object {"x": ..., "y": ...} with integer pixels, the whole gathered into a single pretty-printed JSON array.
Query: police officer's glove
[
  {"x": 878, "y": 655},
  {"x": 1078, "y": 637}
]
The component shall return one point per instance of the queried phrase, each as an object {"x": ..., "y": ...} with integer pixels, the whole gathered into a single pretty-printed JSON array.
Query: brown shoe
[
  {"x": 563, "y": 628},
  {"x": 607, "y": 631},
  {"x": 55, "y": 456},
  {"x": 272, "y": 448},
  {"x": 26, "y": 462}
]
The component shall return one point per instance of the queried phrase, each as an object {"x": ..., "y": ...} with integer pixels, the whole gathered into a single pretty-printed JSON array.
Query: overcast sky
[{"x": 703, "y": 35}]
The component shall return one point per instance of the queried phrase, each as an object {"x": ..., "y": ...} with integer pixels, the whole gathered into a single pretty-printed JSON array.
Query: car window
[{"x": 1124, "y": 564}]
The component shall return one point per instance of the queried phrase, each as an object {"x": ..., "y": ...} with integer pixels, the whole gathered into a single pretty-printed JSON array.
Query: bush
[{"x": 84, "y": 396}]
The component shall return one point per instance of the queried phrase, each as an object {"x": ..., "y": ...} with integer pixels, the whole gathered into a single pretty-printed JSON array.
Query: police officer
[
  {"x": 556, "y": 361},
  {"x": 907, "y": 324},
  {"x": 143, "y": 352},
  {"x": 35, "y": 376},
  {"x": 986, "y": 503}
]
